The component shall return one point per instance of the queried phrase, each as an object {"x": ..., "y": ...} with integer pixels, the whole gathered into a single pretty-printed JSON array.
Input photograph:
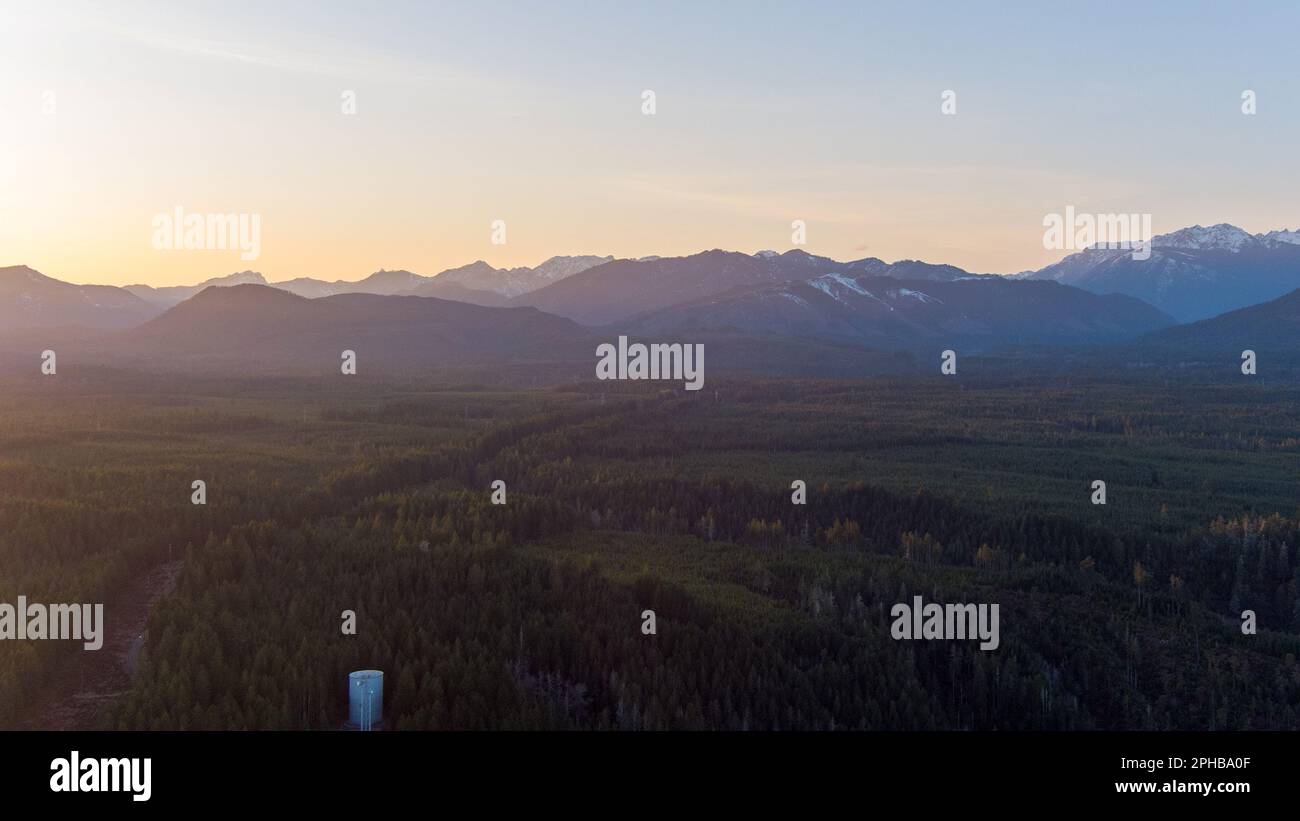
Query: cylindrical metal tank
[{"x": 365, "y": 699}]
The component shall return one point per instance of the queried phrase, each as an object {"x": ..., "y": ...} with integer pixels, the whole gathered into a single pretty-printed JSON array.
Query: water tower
[{"x": 365, "y": 700}]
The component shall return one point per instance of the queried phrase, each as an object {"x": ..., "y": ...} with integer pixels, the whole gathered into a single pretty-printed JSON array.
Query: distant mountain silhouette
[
  {"x": 1193, "y": 273},
  {"x": 450, "y": 289},
  {"x": 885, "y": 312},
  {"x": 29, "y": 299},
  {"x": 624, "y": 288},
  {"x": 472, "y": 313},
  {"x": 381, "y": 282},
  {"x": 314, "y": 288},
  {"x": 170, "y": 295},
  {"x": 477, "y": 282},
  {"x": 259, "y": 324},
  {"x": 512, "y": 282},
  {"x": 1272, "y": 326}
]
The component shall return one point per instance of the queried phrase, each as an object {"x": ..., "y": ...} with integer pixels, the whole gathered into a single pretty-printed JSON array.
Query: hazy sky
[{"x": 531, "y": 113}]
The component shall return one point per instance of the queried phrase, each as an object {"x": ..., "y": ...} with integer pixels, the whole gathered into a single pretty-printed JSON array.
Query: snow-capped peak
[
  {"x": 1288, "y": 237},
  {"x": 562, "y": 267},
  {"x": 1221, "y": 237},
  {"x": 238, "y": 278}
]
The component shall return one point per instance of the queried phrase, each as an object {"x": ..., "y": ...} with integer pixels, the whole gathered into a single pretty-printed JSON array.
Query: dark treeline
[
  {"x": 769, "y": 614},
  {"x": 481, "y": 635},
  {"x": 95, "y": 491}
]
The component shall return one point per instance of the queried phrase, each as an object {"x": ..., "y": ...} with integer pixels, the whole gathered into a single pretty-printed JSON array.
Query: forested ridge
[{"x": 770, "y": 614}]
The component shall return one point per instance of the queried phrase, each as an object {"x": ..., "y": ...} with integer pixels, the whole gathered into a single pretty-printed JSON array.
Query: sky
[{"x": 532, "y": 114}]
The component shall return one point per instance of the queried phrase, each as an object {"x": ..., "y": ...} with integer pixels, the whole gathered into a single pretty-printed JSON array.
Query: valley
[
  {"x": 367, "y": 490},
  {"x": 623, "y": 498}
]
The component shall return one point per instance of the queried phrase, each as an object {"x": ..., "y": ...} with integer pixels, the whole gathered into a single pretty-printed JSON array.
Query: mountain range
[
  {"x": 746, "y": 302},
  {"x": 884, "y": 312},
  {"x": 1272, "y": 326},
  {"x": 624, "y": 288},
  {"x": 29, "y": 299},
  {"x": 1193, "y": 273},
  {"x": 477, "y": 282},
  {"x": 247, "y": 325}
]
